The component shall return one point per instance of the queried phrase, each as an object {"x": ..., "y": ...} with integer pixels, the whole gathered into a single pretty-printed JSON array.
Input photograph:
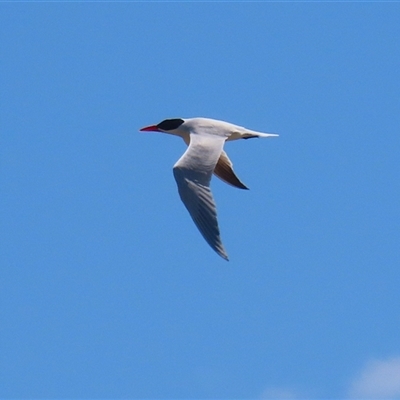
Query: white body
[{"x": 217, "y": 128}]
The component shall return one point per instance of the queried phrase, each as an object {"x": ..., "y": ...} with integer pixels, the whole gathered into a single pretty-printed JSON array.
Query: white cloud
[
  {"x": 277, "y": 393},
  {"x": 380, "y": 379}
]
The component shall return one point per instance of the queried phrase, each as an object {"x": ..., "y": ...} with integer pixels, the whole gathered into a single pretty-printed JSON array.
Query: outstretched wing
[{"x": 193, "y": 173}]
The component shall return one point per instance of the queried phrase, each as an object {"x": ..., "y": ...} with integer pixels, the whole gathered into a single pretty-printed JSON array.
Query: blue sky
[{"x": 106, "y": 287}]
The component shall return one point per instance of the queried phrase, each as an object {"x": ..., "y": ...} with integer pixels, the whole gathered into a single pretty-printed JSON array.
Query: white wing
[{"x": 193, "y": 173}]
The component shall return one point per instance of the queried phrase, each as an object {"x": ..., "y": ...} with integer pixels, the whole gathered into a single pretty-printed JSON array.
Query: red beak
[{"x": 151, "y": 128}]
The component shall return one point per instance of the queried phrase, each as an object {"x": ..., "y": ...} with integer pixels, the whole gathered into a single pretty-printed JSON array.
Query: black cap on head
[{"x": 170, "y": 124}]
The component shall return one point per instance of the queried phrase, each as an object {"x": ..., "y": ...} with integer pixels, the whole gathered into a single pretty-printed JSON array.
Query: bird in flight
[{"x": 204, "y": 156}]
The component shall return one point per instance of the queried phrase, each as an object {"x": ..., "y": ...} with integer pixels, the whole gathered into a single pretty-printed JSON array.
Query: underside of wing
[
  {"x": 193, "y": 173},
  {"x": 200, "y": 203},
  {"x": 224, "y": 171}
]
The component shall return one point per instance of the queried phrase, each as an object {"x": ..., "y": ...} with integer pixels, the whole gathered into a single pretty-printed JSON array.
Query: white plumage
[{"x": 193, "y": 171}]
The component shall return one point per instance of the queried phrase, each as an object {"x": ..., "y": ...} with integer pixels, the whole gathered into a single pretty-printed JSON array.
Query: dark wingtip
[
  {"x": 250, "y": 136},
  {"x": 223, "y": 255},
  {"x": 240, "y": 185}
]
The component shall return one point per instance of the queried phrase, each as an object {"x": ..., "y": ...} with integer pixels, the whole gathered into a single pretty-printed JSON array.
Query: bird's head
[{"x": 173, "y": 126}]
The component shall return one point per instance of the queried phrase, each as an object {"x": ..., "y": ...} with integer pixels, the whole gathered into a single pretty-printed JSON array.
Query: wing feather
[
  {"x": 193, "y": 173},
  {"x": 224, "y": 171}
]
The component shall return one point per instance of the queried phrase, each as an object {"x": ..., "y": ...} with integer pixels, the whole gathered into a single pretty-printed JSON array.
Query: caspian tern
[{"x": 204, "y": 156}]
